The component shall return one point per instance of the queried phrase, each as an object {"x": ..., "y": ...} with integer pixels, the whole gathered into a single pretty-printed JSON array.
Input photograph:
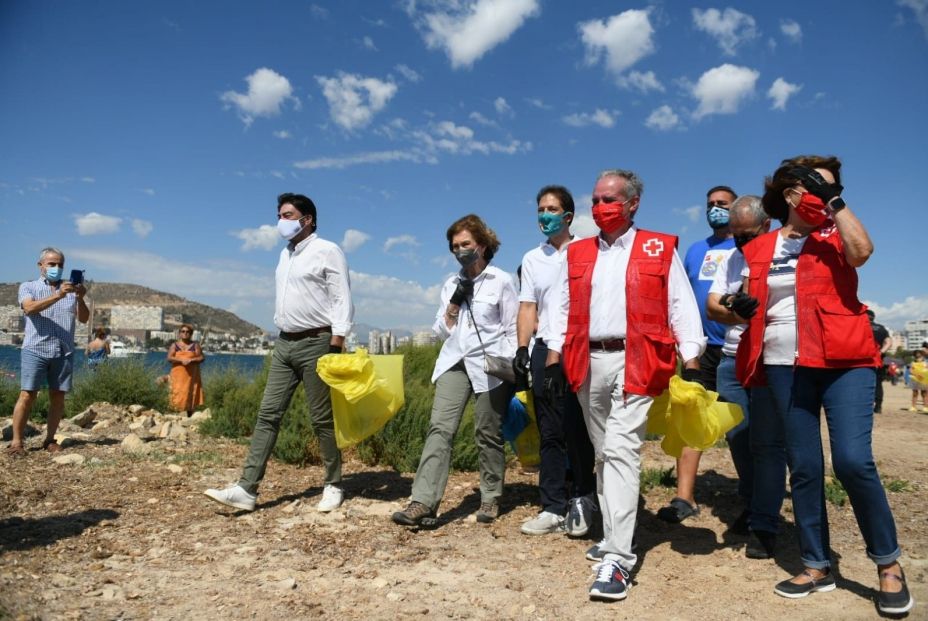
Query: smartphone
[{"x": 77, "y": 277}]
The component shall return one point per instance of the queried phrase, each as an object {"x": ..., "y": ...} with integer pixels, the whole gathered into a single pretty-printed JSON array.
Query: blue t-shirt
[{"x": 701, "y": 263}]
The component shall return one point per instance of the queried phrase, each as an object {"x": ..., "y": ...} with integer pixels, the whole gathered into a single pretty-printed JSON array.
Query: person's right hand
[
  {"x": 65, "y": 288},
  {"x": 521, "y": 364},
  {"x": 744, "y": 305},
  {"x": 463, "y": 291},
  {"x": 555, "y": 382}
]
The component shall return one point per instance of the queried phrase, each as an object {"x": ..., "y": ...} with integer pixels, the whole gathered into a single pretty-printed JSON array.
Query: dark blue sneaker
[{"x": 611, "y": 582}]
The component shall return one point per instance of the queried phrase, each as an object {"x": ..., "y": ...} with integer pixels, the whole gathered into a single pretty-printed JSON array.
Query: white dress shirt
[
  {"x": 728, "y": 279},
  {"x": 313, "y": 288},
  {"x": 540, "y": 269},
  {"x": 607, "y": 302},
  {"x": 495, "y": 307}
]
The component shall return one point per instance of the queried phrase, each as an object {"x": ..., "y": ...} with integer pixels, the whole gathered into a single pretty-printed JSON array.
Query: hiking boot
[
  {"x": 413, "y": 515},
  {"x": 762, "y": 545},
  {"x": 611, "y": 582},
  {"x": 234, "y": 496},
  {"x": 580, "y": 516},
  {"x": 795, "y": 591},
  {"x": 545, "y": 523},
  {"x": 488, "y": 512},
  {"x": 332, "y": 498}
]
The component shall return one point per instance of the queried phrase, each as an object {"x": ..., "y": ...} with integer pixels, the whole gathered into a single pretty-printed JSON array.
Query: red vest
[
  {"x": 833, "y": 331},
  {"x": 650, "y": 349}
]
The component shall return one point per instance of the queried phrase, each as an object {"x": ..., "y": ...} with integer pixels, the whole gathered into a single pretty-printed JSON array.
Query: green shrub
[
  {"x": 835, "y": 492},
  {"x": 897, "y": 485},
  {"x": 657, "y": 477},
  {"x": 9, "y": 394},
  {"x": 120, "y": 382}
]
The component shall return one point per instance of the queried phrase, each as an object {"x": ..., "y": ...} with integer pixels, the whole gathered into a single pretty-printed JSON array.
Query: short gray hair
[
  {"x": 749, "y": 206},
  {"x": 50, "y": 250},
  {"x": 634, "y": 186}
]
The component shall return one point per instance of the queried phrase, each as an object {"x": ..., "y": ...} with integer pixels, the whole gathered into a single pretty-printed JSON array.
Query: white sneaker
[
  {"x": 332, "y": 498},
  {"x": 580, "y": 516},
  {"x": 545, "y": 523},
  {"x": 234, "y": 496}
]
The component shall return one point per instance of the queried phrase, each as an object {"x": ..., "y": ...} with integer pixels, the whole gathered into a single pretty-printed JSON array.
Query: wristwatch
[{"x": 836, "y": 204}]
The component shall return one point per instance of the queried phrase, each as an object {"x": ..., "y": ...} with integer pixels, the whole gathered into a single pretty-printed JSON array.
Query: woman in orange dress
[{"x": 185, "y": 357}]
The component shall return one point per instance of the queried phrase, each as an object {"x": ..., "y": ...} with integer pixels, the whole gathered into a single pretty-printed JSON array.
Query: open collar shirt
[
  {"x": 49, "y": 333},
  {"x": 540, "y": 269},
  {"x": 495, "y": 306},
  {"x": 608, "y": 319},
  {"x": 313, "y": 288}
]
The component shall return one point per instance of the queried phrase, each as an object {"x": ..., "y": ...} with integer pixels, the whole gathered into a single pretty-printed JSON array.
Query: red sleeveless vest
[
  {"x": 833, "y": 331},
  {"x": 650, "y": 349}
]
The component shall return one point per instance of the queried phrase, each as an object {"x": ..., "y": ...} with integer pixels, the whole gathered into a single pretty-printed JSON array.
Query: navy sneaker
[{"x": 611, "y": 583}]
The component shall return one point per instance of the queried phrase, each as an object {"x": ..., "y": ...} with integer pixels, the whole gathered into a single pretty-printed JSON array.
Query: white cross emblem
[{"x": 654, "y": 247}]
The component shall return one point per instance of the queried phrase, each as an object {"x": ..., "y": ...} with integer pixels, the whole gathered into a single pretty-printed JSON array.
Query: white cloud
[
  {"x": 600, "y": 117},
  {"x": 389, "y": 301},
  {"x": 264, "y": 237},
  {"x": 267, "y": 91},
  {"x": 539, "y": 103},
  {"x": 448, "y": 137},
  {"x": 318, "y": 12},
  {"x": 730, "y": 27},
  {"x": 920, "y": 9},
  {"x": 693, "y": 213},
  {"x": 88, "y": 180},
  {"x": 721, "y": 90},
  {"x": 368, "y": 44},
  {"x": 354, "y": 99},
  {"x": 409, "y": 74},
  {"x": 149, "y": 191},
  {"x": 369, "y": 157},
  {"x": 94, "y": 223},
  {"x": 663, "y": 119},
  {"x": 583, "y": 224},
  {"x": 791, "y": 30},
  {"x": 467, "y": 30},
  {"x": 283, "y": 134},
  {"x": 482, "y": 120},
  {"x": 639, "y": 81},
  {"x": 353, "y": 240},
  {"x": 623, "y": 39},
  {"x": 502, "y": 107},
  {"x": 780, "y": 92},
  {"x": 897, "y": 313},
  {"x": 142, "y": 227},
  {"x": 400, "y": 240}
]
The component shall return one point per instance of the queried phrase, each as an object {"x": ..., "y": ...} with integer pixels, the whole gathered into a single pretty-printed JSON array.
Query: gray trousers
[
  {"x": 452, "y": 391},
  {"x": 291, "y": 363}
]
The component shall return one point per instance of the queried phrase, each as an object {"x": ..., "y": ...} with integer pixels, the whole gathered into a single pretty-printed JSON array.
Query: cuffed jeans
[
  {"x": 291, "y": 363},
  {"x": 452, "y": 391},
  {"x": 847, "y": 396},
  {"x": 616, "y": 423},
  {"x": 564, "y": 440},
  {"x": 757, "y": 449}
]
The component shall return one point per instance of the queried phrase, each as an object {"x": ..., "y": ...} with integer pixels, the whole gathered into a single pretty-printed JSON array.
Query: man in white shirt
[
  {"x": 564, "y": 440},
  {"x": 313, "y": 311},
  {"x": 628, "y": 301}
]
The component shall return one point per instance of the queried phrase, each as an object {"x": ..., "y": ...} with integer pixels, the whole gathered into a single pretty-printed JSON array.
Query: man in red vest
[{"x": 623, "y": 307}]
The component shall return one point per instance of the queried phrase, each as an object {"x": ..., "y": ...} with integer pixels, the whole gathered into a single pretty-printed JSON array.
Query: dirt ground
[{"x": 132, "y": 537}]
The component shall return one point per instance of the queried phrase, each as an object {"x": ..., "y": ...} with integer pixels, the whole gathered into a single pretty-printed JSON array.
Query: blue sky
[{"x": 149, "y": 140}]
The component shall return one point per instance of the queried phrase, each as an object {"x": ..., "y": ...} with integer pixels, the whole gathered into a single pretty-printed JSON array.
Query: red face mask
[
  {"x": 811, "y": 209},
  {"x": 609, "y": 217}
]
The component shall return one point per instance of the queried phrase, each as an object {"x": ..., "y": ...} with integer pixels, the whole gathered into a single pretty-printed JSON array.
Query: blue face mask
[
  {"x": 717, "y": 217},
  {"x": 551, "y": 223},
  {"x": 53, "y": 274}
]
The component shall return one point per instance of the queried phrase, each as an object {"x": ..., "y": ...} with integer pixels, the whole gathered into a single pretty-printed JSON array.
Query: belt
[
  {"x": 296, "y": 336},
  {"x": 610, "y": 345}
]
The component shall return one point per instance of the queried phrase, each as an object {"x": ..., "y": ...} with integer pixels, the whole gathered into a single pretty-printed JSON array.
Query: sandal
[
  {"x": 677, "y": 511},
  {"x": 894, "y": 603},
  {"x": 51, "y": 446}
]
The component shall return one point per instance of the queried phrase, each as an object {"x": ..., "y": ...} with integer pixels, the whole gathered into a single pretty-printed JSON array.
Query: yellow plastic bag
[
  {"x": 919, "y": 372},
  {"x": 687, "y": 414},
  {"x": 528, "y": 443},
  {"x": 366, "y": 392}
]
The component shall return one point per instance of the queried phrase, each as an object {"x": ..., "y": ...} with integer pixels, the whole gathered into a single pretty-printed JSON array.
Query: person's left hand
[
  {"x": 335, "y": 349},
  {"x": 691, "y": 375},
  {"x": 80, "y": 290},
  {"x": 813, "y": 181}
]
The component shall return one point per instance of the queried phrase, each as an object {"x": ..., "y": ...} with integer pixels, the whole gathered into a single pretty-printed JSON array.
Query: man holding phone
[{"x": 51, "y": 305}]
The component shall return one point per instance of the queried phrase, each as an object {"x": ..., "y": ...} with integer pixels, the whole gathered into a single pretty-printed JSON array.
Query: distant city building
[
  {"x": 12, "y": 319},
  {"x": 916, "y": 333},
  {"x": 136, "y": 318},
  {"x": 351, "y": 343},
  {"x": 373, "y": 342},
  {"x": 424, "y": 338},
  {"x": 898, "y": 339}
]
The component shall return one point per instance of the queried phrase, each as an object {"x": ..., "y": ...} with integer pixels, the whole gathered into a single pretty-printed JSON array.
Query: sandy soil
[{"x": 127, "y": 537}]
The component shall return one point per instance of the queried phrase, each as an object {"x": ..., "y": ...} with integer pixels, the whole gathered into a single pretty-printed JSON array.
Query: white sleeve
[
  {"x": 558, "y": 306},
  {"x": 440, "y": 328},
  {"x": 527, "y": 288},
  {"x": 684, "y": 313},
  {"x": 720, "y": 282},
  {"x": 338, "y": 285}
]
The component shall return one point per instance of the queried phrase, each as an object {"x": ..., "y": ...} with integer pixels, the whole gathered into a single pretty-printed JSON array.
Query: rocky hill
[{"x": 108, "y": 294}]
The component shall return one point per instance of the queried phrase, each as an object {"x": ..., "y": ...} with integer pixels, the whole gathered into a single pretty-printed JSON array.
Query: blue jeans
[
  {"x": 847, "y": 396},
  {"x": 757, "y": 450}
]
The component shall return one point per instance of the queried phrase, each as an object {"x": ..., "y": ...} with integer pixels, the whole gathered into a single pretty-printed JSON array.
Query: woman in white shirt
[{"x": 476, "y": 317}]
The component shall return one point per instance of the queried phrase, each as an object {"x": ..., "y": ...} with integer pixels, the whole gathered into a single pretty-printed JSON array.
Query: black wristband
[
  {"x": 725, "y": 301},
  {"x": 837, "y": 204}
]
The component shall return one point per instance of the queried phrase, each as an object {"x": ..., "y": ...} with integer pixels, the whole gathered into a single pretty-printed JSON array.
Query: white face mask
[{"x": 289, "y": 229}]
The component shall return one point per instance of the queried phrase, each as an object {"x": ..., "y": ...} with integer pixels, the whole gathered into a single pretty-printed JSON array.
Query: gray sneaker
[
  {"x": 595, "y": 554},
  {"x": 233, "y": 496},
  {"x": 488, "y": 512},
  {"x": 545, "y": 523},
  {"x": 580, "y": 516}
]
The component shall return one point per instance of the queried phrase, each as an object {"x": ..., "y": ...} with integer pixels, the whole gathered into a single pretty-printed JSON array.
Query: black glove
[
  {"x": 743, "y": 304},
  {"x": 692, "y": 375},
  {"x": 521, "y": 366},
  {"x": 335, "y": 349},
  {"x": 816, "y": 184},
  {"x": 555, "y": 382},
  {"x": 463, "y": 291}
]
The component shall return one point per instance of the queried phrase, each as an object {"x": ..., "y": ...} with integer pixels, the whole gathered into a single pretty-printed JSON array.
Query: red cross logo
[{"x": 654, "y": 247}]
